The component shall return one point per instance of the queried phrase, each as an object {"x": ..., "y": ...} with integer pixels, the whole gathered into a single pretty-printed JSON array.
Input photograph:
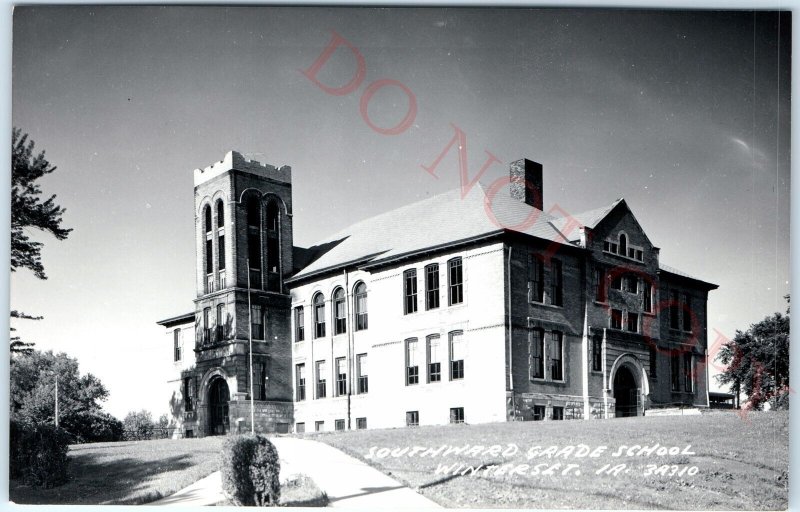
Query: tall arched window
[
  {"x": 319, "y": 316},
  {"x": 360, "y": 293},
  {"x": 220, "y": 213},
  {"x": 207, "y": 218},
  {"x": 208, "y": 243},
  {"x": 272, "y": 216},
  {"x": 339, "y": 312},
  {"x": 273, "y": 247},
  {"x": 623, "y": 244},
  {"x": 221, "y": 243},
  {"x": 254, "y": 240}
]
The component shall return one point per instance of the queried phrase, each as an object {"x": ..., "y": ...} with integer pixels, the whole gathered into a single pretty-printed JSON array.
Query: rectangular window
[
  {"x": 606, "y": 246},
  {"x": 639, "y": 255},
  {"x": 339, "y": 425},
  {"x": 616, "y": 283},
  {"x": 597, "y": 353},
  {"x": 339, "y": 313},
  {"x": 361, "y": 307},
  {"x": 321, "y": 379},
  {"x": 434, "y": 359},
  {"x": 361, "y": 423},
  {"x": 362, "y": 372},
  {"x": 300, "y": 427},
  {"x": 188, "y": 394},
  {"x": 300, "y": 378},
  {"x": 557, "y": 359},
  {"x": 674, "y": 310},
  {"x": 176, "y": 337},
  {"x": 432, "y": 286},
  {"x": 319, "y": 316},
  {"x": 410, "y": 291},
  {"x": 412, "y": 362},
  {"x": 222, "y": 282},
  {"x": 535, "y": 279},
  {"x": 653, "y": 363},
  {"x": 254, "y": 256},
  {"x": 675, "y": 368},
  {"x": 257, "y": 319},
  {"x": 648, "y": 297},
  {"x": 633, "y": 322},
  {"x": 599, "y": 284},
  {"x": 299, "y": 324},
  {"x": 457, "y": 353},
  {"x": 221, "y": 249},
  {"x": 273, "y": 254},
  {"x": 319, "y": 426},
  {"x": 688, "y": 380},
  {"x": 412, "y": 419},
  {"x": 538, "y": 412},
  {"x": 616, "y": 319},
  {"x": 341, "y": 376},
  {"x": 632, "y": 284},
  {"x": 455, "y": 282},
  {"x": 457, "y": 415},
  {"x": 614, "y": 247},
  {"x": 631, "y": 252},
  {"x": 687, "y": 317},
  {"x": 558, "y": 413},
  {"x": 209, "y": 257},
  {"x": 221, "y": 319},
  {"x": 536, "y": 353},
  {"x": 260, "y": 381},
  {"x": 207, "y": 325},
  {"x": 557, "y": 283}
]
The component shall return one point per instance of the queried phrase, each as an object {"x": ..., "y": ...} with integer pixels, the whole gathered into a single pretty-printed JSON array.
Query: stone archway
[{"x": 218, "y": 408}]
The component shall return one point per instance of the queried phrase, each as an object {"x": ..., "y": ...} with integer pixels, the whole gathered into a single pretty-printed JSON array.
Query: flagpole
[{"x": 250, "y": 343}]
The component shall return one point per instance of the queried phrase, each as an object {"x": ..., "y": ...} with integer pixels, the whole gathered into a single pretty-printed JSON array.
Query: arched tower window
[
  {"x": 208, "y": 253},
  {"x": 220, "y": 213},
  {"x": 623, "y": 244},
  {"x": 339, "y": 312},
  {"x": 207, "y": 217},
  {"x": 272, "y": 216},
  {"x": 221, "y": 243},
  {"x": 360, "y": 292},
  {"x": 273, "y": 247},
  {"x": 319, "y": 315},
  {"x": 253, "y": 206}
]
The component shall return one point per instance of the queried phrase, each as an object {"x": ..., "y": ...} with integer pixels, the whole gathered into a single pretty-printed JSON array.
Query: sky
[{"x": 685, "y": 114}]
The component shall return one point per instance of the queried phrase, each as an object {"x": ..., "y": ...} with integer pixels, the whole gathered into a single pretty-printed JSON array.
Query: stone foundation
[{"x": 523, "y": 406}]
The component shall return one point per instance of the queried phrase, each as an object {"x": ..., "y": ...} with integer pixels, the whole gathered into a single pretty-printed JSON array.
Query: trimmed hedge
[
  {"x": 38, "y": 453},
  {"x": 250, "y": 471}
]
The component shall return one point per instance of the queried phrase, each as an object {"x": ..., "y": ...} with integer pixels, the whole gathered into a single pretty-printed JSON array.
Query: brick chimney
[{"x": 526, "y": 182}]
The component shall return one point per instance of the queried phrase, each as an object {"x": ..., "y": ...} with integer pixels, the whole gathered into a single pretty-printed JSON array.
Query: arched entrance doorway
[
  {"x": 626, "y": 393},
  {"x": 218, "y": 396}
]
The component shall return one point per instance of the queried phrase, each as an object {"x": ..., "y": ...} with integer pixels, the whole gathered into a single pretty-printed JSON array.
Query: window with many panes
[
  {"x": 207, "y": 325},
  {"x": 188, "y": 394},
  {"x": 299, "y": 324},
  {"x": 341, "y": 376},
  {"x": 257, "y": 319},
  {"x": 319, "y": 316},
  {"x": 536, "y": 353},
  {"x": 434, "y": 358},
  {"x": 361, "y": 423},
  {"x": 321, "y": 379},
  {"x": 362, "y": 373},
  {"x": 410, "y": 291},
  {"x": 557, "y": 356},
  {"x": 633, "y": 322},
  {"x": 647, "y": 290},
  {"x": 412, "y": 361},
  {"x": 616, "y": 319},
  {"x": 176, "y": 337},
  {"x": 412, "y": 418},
  {"x": 300, "y": 379},
  {"x": 688, "y": 381},
  {"x": 455, "y": 282},
  {"x": 456, "y": 415},
  {"x": 535, "y": 279},
  {"x": 557, "y": 283},
  {"x": 457, "y": 353},
  {"x": 597, "y": 353},
  {"x": 338, "y": 425},
  {"x": 221, "y": 319},
  {"x": 339, "y": 312},
  {"x": 360, "y": 292},
  {"x": 432, "y": 286}
]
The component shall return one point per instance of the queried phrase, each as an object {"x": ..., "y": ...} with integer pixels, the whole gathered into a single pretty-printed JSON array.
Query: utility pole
[
  {"x": 250, "y": 339},
  {"x": 56, "y": 376}
]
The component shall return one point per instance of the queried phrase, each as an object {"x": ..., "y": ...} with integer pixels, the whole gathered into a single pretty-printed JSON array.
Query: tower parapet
[{"x": 235, "y": 160}]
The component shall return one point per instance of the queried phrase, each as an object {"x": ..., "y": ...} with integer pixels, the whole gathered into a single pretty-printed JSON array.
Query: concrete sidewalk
[{"x": 347, "y": 481}]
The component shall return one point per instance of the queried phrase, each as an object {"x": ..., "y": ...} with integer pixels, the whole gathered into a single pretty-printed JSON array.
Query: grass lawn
[
  {"x": 741, "y": 464},
  {"x": 128, "y": 472}
]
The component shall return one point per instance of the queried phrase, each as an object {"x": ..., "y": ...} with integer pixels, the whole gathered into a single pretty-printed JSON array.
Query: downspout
[
  {"x": 605, "y": 377},
  {"x": 585, "y": 362},
  {"x": 510, "y": 334},
  {"x": 349, "y": 343}
]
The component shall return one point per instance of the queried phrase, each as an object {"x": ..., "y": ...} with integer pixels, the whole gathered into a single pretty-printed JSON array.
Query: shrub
[
  {"x": 39, "y": 453},
  {"x": 138, "y": 425},
  {"x": 93, "y": 426},
  {"x": 250, "y": 471}
]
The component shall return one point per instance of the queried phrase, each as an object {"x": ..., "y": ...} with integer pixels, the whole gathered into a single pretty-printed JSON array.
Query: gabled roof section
[
  {"x": 440, "y": 221},
  {"x": 681, "y": 274},
  {"x": 590, "y": 219}
]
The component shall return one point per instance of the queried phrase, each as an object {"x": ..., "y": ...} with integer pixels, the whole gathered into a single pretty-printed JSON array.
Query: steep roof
[
  {"x": 589, "y": 219},
  {"x": 443, "y": 220}
]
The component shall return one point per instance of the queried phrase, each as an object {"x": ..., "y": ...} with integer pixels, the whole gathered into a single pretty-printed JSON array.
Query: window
[
  {"x": 631, "y": 284},
  {"x": 457, "y": 352},
  {"x": 339, "y": 312},
  {"x": 558, "y": 413},
  {"x": 648, "y": 297},
  {"x": 260, "y": 381},
  {"x": 319, "y": 316},
  {"x": 675, "y": 369},
  {"x": 538, "y": 412},
  {"x": 616, "y": 319},
  {"x": 412, "y": 419},
  {"x": 254, "y": 240},
  {"x": 176, "y": 336},
  {"x": 321, "y": 370},
  {"x": 300, "y": 379},
  {"x": 535, "y": 279},
  {"x": 300, "y": 427},
  {"x": 360, "y": 293},
  {"x": 341, "y": 376},
  {"x": 221, "y": 318},
  {"x": 600, "y": 284},
  {"x": 221, "y": 255},
  {"x": 607, "y": 246},
  {"x": 457, "y": 415},
  {"x": 557, "y": 283},
  {"x": 639, "y": 255},
  {"x": 209, "y": 258},
  {"x": 434, "y": 359},
  {"x": 432, "y": 286},
  {"x": 188, "y": 394},
  {"x": 687, "y": 317},
  {"x": 616, "y": 283},
  {"x": 597, "y": 353},
  {"x": 257, "y": 319},
  {"x": 653, "y": 363},
  {"x": 362, "y": 373},
  {"x": 557, "y": 360},
  {"x": 674, "y": 310},
  {"x": 273, "y": 213},
  {"x": 536, "y": 353},
  {"x": 361, "y": 423},
  {"x": 631, "y": 252},
  {"x": 207, "y": 218},
  {"x": 221, "y": 240},
  {"x": 412, "y": 362},
  {"x": 207, "y": 325},
  {"x": 220, "y": 213},
  {"x": 319, "y": 426},
  {"x": 339, "y": 425},
  {"x": 614, "y": 247},
  {"x": 623, "y": 244},
  {"x": 687, "y": 373},
  {"x": 273, "y": 254},
  {"x": 410, "y": 291},
  {"x": 455, "y": 282},
  {"x": 299, "y": 324},
  {"x": 633, "y": 322}
]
